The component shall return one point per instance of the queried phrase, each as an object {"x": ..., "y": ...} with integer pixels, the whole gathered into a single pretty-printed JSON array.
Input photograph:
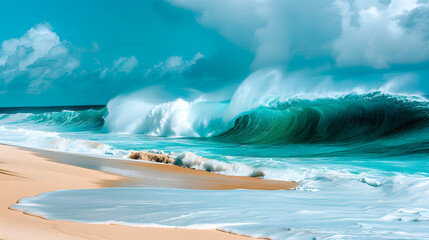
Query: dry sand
[{"x": 25, "y": 173}]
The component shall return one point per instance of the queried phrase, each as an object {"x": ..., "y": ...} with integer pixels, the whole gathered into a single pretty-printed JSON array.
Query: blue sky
[{"x": 87, "y": 52}]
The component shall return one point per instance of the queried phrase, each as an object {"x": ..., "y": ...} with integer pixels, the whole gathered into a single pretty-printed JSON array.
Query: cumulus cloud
[
  {"x": 294, "y": 31},
  {"x": 341, "y": 33},
  {"x": 236, "y": 20},
  {"x": 121, "y": 65},
  {"x": 174, "y": 73},
  {"x": 125, "y": 64},
  {"x": 276, "y": 31},
  {"x": 172, "y": 64},
  {"x": 36, "y": 59},
  {"x": 416, "y": 21},
  {"x": 373, "y": 35},
  {"x": 95, "y": 47}
]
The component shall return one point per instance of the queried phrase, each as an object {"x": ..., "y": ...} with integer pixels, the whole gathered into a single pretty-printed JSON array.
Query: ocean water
[{"x": 361, "y": 160}]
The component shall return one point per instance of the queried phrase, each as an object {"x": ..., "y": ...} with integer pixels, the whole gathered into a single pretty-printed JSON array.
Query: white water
[
  {"x": 357, "y": 211},
  {"x": 54, "y": 141},
  {"x": 333, "y": 201}
]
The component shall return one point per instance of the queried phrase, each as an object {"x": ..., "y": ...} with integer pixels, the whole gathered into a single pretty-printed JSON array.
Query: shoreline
[
  {"x": 26, "y": 172},
  {"x": 160, "y": 175}
]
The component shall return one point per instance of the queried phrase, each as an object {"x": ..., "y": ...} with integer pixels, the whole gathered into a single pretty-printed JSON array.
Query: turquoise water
[{"x": 361, "y": 159}]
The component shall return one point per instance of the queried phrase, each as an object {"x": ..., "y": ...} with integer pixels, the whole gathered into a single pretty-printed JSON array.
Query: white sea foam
[
  {"x": 338, "y": 202},
  {"x": 350, "y": 211},
  {"x": 54, "y": 141}
]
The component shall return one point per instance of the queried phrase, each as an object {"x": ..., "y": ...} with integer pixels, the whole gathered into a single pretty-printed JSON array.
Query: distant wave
[{"x": 86, "y": 119}]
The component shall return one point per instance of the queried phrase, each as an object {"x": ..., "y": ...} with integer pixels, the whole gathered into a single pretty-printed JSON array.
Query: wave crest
[
  {"x": 352, "y": 117},
  {"x": 348, "y": 117}
]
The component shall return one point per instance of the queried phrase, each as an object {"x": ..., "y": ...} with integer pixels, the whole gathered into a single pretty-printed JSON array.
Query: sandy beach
[{"x": 25, "y": 173}]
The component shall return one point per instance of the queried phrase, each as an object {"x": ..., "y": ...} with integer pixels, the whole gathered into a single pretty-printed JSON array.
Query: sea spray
[{"x": 178, "y": 118}]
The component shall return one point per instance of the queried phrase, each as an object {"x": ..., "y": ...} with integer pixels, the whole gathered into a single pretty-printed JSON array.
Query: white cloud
[
  {"x": 125, "y": 64},
  {"x": 39, "y": 55},
  {"x": 39, "y": 39},
  {"x": 346, "y": 32},
  {"x": 376, "y": 38},
  {"x": 95, "y": 47},
  {"x": 237, "y": 20},
  {"x": 122, "y": 64},
  {"x": 173, "y": 64},
  {"x": 274, "y": 30}
]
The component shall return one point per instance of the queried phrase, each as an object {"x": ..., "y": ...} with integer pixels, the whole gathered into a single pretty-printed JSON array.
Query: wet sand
[
  {"x": 158, "y": 175},
  {"x": 28, "y": 172}
]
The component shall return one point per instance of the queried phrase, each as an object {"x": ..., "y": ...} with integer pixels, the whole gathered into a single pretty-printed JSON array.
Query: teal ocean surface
[{"x": 361, "y": 160}]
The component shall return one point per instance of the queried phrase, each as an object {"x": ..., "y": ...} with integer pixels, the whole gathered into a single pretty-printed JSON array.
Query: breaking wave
[
  {"x": 352, "y": 117},
  {"x": 348, "y": 117}
]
